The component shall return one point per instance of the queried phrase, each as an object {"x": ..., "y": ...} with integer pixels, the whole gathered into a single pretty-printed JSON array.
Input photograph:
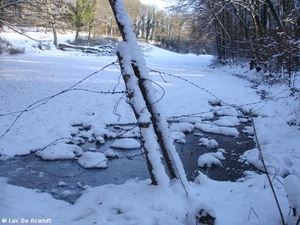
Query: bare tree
[
  {"x": 8, "y": 11},
  {"x": 21, "y": 14},
  {"x": 265, "y": 32},
  {"x": 52, "y": 20}
]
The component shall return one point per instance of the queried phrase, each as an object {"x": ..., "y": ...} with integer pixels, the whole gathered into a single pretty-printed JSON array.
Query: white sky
[{"x": 160, "y": 3}]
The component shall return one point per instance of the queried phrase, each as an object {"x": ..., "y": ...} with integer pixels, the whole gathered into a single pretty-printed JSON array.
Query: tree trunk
[
  {"x": 89, "y": 34},
  {"x": 275, "y": 15},
  {"x": 54, "y": 35},
  {"x": 76, "y": 35},
  {"x": 141, "y": 88},
  {"x": 52, "y": 21}
]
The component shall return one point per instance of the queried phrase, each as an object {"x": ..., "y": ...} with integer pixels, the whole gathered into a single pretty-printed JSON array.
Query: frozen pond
[{"x": 66, "y": 179}]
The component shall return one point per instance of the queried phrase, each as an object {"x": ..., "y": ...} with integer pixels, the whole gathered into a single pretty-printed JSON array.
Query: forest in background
[
  {"x": 265, "y": 33},
  {"x": 169, "y": 28}
]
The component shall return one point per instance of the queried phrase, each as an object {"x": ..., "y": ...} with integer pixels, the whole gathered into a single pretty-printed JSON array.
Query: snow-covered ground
[{"x": 40, "y": 103}]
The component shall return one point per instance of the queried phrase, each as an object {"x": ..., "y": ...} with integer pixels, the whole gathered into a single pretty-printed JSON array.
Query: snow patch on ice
[
  {"x": 85, "y": 134},
  {"x": 209, "y": 143},
  {"x": 128, "y": 132},
  {"x": 182, "y": 127},
  {"x": 178, "y": 136},
  {"x": 93, "y": 160},
  {"x": 225, "y": 111},
  {"x": 77, "y": 140},
  {"x": 110, "y": 153},
  {"x": 189, "y": 119},
  {"x": 100, "y": 140},
  {"x": 60, "y": 151},
  {"x": 211, "y": 128},
  {"x": 62, "y": 184},
  {"x": 227, "y": 121},
  {"x": 248, "y": 130},
  {"x": 210, "y": 159},
  {"x": 103, "y": 132},
  {"x": 126, "y": 143}
]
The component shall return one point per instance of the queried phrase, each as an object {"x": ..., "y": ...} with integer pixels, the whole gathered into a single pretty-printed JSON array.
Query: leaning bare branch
[
  {"x": 10, "y": 4},
  {"x": 17, "y": 31}
]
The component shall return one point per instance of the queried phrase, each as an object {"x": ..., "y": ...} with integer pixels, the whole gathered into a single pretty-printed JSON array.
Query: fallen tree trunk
[
  {"x": 87, "y": 49},
  {"x": 142, "y": 98}
]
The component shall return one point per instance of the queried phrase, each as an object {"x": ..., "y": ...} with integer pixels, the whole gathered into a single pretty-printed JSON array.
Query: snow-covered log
[
  {"x": 105, "y": 50},
  {"x": 146, "y": 105}
]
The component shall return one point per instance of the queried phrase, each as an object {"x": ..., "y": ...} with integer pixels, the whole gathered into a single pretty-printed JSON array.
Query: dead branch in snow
[{"x": 87, "y": 49}]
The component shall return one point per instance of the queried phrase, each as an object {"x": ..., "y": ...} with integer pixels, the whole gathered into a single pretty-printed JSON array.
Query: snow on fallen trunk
[
  {"x": 139, "y": 107},
  {"x": 133, "y": 60}
]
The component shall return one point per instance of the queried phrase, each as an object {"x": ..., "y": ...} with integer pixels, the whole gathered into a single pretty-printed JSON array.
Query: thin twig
[
  {"x": 298, "y": 221},
  {"x": 15, "y": 30},
  {"x": 252, "y": 210},
  {"x": 10, "y": 4}
]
